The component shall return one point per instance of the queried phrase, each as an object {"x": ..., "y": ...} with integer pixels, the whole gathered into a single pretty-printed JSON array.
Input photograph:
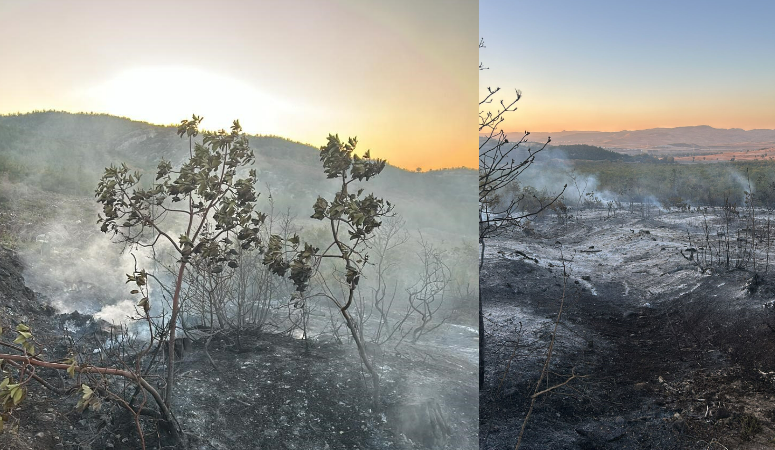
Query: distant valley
[{"x": 679, "y": 142}]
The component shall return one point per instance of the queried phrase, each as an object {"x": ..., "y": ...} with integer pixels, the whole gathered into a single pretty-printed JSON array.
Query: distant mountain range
[
  {"x": 702, "y": 136},
  {"x": 67, "y": 153}
]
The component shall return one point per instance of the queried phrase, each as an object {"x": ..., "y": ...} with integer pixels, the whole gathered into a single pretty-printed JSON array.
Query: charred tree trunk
[
  {"x": 171, "y": 340},
  {"x": 481, "y": 323},
  {"x": 362, "y": 352}
]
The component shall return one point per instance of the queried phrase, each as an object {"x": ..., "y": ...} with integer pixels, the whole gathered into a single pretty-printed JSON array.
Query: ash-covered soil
[
  {"x": 292, "y": 394},
  {"x": 664, "y": 357},
  {"x": 278, "y": 393}
]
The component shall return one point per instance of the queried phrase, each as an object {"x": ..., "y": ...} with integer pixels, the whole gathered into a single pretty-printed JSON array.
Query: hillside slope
[{"x": 66, "y": 153}]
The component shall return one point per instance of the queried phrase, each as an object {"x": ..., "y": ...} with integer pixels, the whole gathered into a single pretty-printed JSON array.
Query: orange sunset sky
[
  {"x": 400, "y": 75},
  {"x": 610, "y": 65}
]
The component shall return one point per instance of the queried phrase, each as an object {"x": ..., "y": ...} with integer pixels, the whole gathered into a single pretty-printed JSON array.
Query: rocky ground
[
  {"x": 282, "y": 393},
  {"x": 664, "y": 357}
]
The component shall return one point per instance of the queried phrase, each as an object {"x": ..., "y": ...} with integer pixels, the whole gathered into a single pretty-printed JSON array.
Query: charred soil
[
  {"x": 664, "y": 357},
  {"x": 277, "y": 393}
]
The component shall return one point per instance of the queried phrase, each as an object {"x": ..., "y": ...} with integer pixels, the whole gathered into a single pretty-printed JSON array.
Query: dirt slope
[
  {"x": 665, "y": 357},
  {"x": 281, "y": 393}
]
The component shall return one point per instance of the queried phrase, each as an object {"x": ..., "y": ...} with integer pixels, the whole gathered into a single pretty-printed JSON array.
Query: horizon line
[
  {"x": 174, "y": 125},
  {"x": 638, "y": 129}
]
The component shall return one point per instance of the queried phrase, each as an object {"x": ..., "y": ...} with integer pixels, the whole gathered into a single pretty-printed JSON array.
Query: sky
[
  {"x": 629, "y": 65},
  {"x": 399, "y": 75}
]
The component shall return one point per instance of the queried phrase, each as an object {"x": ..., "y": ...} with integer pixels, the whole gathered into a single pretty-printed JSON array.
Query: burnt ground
[
  {"x": 281, "y": 393},
  {"x": 292, "y": 394},
  {"x": 665, "y": 357}
]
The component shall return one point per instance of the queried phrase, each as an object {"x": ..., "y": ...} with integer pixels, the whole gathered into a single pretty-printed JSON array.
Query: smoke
[
  {"x": 651, "y": 200},
  {"x": 600, "y": 183},
  {"x": 739, "y": 179},
  {"x": 553, "y": 173},
  {"x": 76, "y": 267},
  {"x": 123, "y": 312}
]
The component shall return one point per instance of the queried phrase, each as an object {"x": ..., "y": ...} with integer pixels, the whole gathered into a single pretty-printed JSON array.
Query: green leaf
[
  {"x": 17, "y": 394},
  {"x": 320, "y": 208}
]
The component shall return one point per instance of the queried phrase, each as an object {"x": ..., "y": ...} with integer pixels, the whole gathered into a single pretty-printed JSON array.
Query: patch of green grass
[{"x": 749, "y": 426}]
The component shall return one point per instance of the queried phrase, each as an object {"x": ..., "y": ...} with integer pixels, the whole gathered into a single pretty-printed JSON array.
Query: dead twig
[
  {"x": 545, "y": 369},
  {"x": 573, "y": 375}
]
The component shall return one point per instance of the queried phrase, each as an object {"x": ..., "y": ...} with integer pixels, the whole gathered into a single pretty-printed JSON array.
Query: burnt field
[
  {"x": 662, "y": 342},
  {"x": 277, "y": 392},
  {"x": 213, "y": 317}
]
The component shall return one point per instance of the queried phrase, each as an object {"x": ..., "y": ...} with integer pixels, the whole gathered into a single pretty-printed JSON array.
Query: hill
[
  {"x": 694, "y": 136},
  {"x": 588, "y": 152},
  {"x": 67, "y": 153}
]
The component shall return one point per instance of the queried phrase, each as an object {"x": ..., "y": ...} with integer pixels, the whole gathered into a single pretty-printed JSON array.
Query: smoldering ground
[
  {"x": 77, "y": 267},
  {"x": 234, "y": 385},
  {"x": 645, "y": 355}
]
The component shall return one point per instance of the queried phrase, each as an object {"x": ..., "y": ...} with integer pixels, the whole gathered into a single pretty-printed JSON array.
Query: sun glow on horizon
[
  {"x": 166, "y": 94},
  {"x": 395, "y": 74}
]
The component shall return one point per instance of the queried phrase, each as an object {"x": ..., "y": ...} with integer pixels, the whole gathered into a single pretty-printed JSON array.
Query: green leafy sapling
[
  {"x": 352, "y": 220},
  {"x": 212, "y": 196}
]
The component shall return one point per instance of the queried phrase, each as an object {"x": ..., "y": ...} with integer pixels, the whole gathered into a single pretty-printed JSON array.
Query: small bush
[{"x": 749, "y": 426}]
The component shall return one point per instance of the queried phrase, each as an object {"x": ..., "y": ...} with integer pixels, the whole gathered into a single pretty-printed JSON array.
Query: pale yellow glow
[
  {"x": 399, "y": 75},
  {"x": 167, "y": 94}
]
